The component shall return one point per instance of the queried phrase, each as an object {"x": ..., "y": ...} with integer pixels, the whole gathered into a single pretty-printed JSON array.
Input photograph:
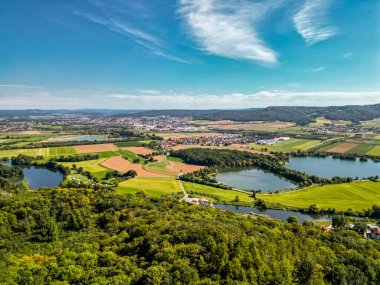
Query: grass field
[
  {"x": 161, "y": 167},
  {"x": 30, "y": 152},
  {"x": 288, "y": 146},
  {"x": 223, "y": 195},
  {"x": 57, "y": 151},
  {"x": 128, "y": 144},
  {"x": 90, "y": 165},
  {"x": 129, "y": 155},
  {"x": 357, "y": 196},
  {"x": 175, "y": 159},
  {"x": 154, "y": 187},
  {"x": 370, "y": 148},
  {"x": 374, "y": 151}
]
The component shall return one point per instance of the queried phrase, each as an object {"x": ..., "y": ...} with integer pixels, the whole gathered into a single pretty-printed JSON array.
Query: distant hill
[
  {"x": 296, "y": 114},
  {"x": 299, "y": 115}
]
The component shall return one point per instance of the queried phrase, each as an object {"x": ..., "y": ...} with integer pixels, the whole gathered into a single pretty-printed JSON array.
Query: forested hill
[
  {"x": 83, "y": 236},
  {"x": 299, "y": 115}
]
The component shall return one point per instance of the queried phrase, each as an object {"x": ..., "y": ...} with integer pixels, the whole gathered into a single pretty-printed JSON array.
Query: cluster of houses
[
  {"x": 372, "y": 231},
  {"x": 213, "y": 140},
  {"x": 273, "y": 141},
  {"x": 333, "y": 128},
  {"x": 162, "y": 124},
  {"x": 199, "y": 201}
]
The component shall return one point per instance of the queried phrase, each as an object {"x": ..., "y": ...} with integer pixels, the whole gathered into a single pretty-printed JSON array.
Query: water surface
[
  {"x": 38, "y": 177},
  {"x": 282, "y": 215},
  {"x": 328, "y": 167},
  {"x": 253, "y": 179}
]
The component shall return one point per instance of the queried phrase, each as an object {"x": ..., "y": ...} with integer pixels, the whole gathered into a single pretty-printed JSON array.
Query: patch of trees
[
  {"x": 76, "y": 158},
  {"x": 82, "y": 236},
  {"x": 25, "y": 160},
  {"x": 124, "y": 176},
  {"x": 11, "y": 172}
]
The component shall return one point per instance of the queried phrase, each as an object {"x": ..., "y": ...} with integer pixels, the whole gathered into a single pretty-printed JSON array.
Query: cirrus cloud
[{"x": 227, "y": 28}]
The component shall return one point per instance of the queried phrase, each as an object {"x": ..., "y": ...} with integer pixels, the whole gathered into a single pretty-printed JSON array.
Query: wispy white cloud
[
  {"x": 143, "y": 38},
  {"x": 242, "y": 100},
  {"x": 149, "y": 91},
  {"x": 227, "y": 28},
  {"x": 311, "y": 21},
  {"x": 18, "y": 86},
  {"x": 316, "y": 69},
  {"x": 347, "y": 55},
  {"x": 161, "y": 99}
]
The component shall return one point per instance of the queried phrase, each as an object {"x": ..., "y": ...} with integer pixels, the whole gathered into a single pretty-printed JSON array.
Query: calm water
[
  {"x": 329, "y": 167},
  {"x": 274, "y": 214},
  {"x": 37, "y": 178},
  {"x": 83, "y": 138},
  {"x": 254, "y": 179}
]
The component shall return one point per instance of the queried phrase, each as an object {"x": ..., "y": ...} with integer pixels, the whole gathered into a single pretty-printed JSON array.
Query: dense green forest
[{"x": 84, "y": 236}]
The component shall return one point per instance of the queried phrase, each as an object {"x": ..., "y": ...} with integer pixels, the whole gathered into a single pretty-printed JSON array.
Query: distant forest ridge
[
  {"x": 299, "y": 115},
  {"x": 296, "y": 114}
]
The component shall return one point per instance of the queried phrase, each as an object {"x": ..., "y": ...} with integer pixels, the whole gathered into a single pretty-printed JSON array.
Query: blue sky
[{"x": 188, "y": 53}]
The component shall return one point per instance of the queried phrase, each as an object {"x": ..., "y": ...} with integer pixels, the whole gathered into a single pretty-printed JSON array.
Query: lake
[
  {"x": 253, "y": 179},
  {"x": 328, "y": 167},
  {"x": 38, "y": 177},
  {"x": 282, "y": 215},
  {"x": 83, "y": 138}
]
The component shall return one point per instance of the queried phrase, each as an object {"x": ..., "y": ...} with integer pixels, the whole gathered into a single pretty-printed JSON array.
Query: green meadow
[
  {"x": 152, "y": 186},
  {"x": 288, "y": 146},
  {"x": 356, "y": 196}
]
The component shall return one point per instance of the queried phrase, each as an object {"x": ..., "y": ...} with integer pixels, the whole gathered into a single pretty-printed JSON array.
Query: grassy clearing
[
  {"x": 356, "y": 196},
  {"x": 361, "y": 149},
  {"x": 371, "y": 123},
  {"x": 175, "y": 159},
  {"x": 288, "y": 146},
  {"x": 129, "y": 155},
  {"x": 374, "y": 151},
  {"x": 221, "y": 194},
  {"x": 93, "y": 166},
  {"x": 58, "y": 151},
  {"x": 154, "y": 187},
  {"x": 128, "y": 144},
  {"x": 161, "y": 167},
  {"x": 15, "y": 152}
]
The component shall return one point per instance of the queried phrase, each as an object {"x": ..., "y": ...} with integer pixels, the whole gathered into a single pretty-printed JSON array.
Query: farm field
[
  {"x": 57, "y": 151},
  {"x": 370, "y": 148},
  {"x": 120, "y": 164},
  {"x": 374, "y": 151},
  {"x": 95, "y": 148},
  {"x": 356, "y": 195},
  {"x": 93, "y": 166},
  {"x": 221, "y": 194},
  {"x": 161, "y": 167},
  {"x": 154, "y": 187},
  {"x": 139, "y": 150},
  {"x": 343, "y": 147},
  {"x": 53, "y": 151},
  {"x": 129, "y": 155},
  {"x": 288, "y": 146}
]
